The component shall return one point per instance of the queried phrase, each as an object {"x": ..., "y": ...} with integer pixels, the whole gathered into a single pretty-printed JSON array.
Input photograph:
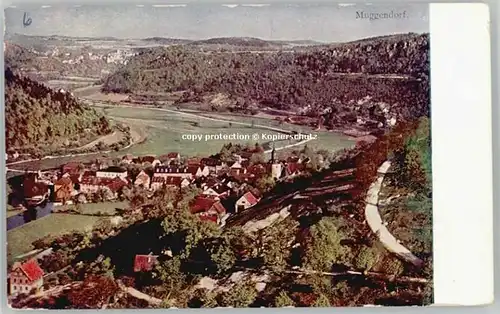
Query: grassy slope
[{"x": 19, "y": 240}]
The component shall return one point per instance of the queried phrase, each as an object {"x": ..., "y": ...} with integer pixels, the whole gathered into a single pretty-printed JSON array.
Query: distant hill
[
  {"x": 39, "y": 119},
  {"x": 237, "y": 41},
  {"x": 253, "y": 42},
  {"x": 167, "y": 41},
  {"x": 311, "y": 77}
]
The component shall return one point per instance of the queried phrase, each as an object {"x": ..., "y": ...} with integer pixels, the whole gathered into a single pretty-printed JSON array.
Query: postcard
[{"x": 218, "y": 155}]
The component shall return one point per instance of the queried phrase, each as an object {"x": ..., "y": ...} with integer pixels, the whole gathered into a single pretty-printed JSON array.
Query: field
[
  {"x": 20, "y": 239},
  {"x": 164, "y": 130}
]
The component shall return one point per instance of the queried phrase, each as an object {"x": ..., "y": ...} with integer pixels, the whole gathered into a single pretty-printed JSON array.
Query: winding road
[{"x": 376, "y": 224}]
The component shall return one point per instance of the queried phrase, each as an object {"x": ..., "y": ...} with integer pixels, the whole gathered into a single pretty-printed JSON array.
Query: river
[{"x": 29, "y": 215}]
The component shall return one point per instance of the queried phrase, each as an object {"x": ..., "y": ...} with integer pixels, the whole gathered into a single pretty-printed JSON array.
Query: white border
[{"x": 462, "y": 154}]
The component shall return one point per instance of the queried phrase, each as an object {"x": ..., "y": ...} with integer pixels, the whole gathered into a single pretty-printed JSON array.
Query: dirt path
[
  {"x": 137, "y": 133},
  {"x": 260, "y": 126},
  {"x": 187, "y": 114},
  {"x": 376, "y": 224},
  {"x": 139, "y": 295}
]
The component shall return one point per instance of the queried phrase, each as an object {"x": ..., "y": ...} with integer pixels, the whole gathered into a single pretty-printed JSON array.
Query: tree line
[
  {"x": 290, "y": 80},
  {"x": 37, "y": 117}
]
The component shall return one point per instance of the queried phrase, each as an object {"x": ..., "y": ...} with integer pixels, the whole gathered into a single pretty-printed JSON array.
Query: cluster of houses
[{"x": 227, "y": 187}]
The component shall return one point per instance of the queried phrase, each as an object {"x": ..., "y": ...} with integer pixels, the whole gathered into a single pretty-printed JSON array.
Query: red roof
[
  {"x": 71, "y": 166},
  {"x": 211, "y": 162},
  {"x": 149, "y": 159},
  {"x": 33, "y": 189},
  {"x": 75, "y": 178},
  {"x": 144, "y": 262},
  {"x": 193, "y": 169},
  {"x": 89, "y": 173},
  {"x": 173, "y": 155},
  {"x": 64, "y": 181},
  {"x": 173, "y": 180},
  {"x": 244, "y": 177},
  {"x": 257, "y": 169},
  {"x": 220, "y": 189},
  {"x": 293, "y": 167},
  {"x": 219, "y": 208},
  {"x": 115, "y": 184},
  {"x": 32, "y": 270},
  {"x": 252, "y": 200},
  {"x": 212, "y": 218},
  {"x": 194, "y": 161},
  {"x": 90, "y": 180},
  {"x": 201, "y": 204}
]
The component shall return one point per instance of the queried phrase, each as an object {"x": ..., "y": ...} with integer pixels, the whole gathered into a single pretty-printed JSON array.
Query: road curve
[{"x": 376, "y": 224}]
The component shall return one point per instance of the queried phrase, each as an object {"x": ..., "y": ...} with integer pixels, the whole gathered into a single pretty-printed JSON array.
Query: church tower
[
  {"x": 276, "y": 167},
  {"x": 272, "y": 154}
]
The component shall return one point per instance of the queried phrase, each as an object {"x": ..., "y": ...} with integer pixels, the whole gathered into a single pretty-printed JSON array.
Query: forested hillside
[
  {"x": 38, "y": 119},
  {"x": 315, "y": 77}
]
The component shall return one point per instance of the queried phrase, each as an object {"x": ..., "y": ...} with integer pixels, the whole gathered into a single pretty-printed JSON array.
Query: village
[
  {"x": 189, "y": 167},
  {"x": 227, "y": 184},
  {"x": 218, "y": 177}
]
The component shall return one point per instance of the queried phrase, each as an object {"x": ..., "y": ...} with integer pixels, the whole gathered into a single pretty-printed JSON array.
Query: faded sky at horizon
[{"x": 320, "y": 22}]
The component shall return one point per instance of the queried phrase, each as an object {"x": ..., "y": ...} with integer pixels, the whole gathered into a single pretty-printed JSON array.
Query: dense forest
[
  {"x": 315, "y": 77},
  {"x": 39, "y": 118}
]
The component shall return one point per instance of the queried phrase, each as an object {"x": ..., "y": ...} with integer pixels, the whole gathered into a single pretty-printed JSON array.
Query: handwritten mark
[{"x": 26, "y": 20}]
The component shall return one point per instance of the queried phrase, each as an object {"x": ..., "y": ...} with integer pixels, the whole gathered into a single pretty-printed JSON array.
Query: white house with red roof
[
  {"x": 143, "y": 180},
  {"x": 25, "y": 278},
  {"x": 246, "y": 201},
  {"x": 208, "y": 208}
]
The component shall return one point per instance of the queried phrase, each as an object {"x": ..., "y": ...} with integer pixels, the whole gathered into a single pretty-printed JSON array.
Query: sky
[{"x": 319, "y": 22}]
